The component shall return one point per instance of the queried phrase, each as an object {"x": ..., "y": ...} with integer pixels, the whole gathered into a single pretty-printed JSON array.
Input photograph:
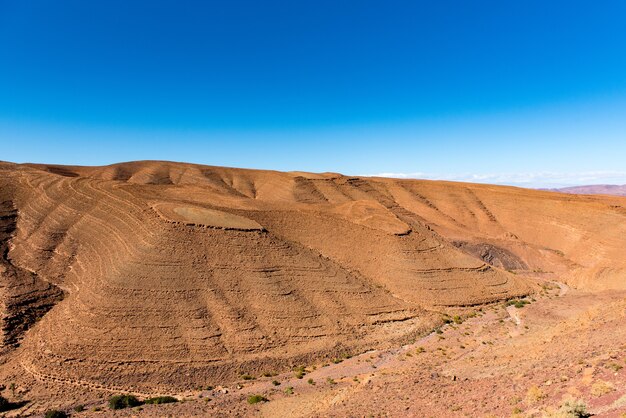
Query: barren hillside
[{"x": 158, "y": 277}]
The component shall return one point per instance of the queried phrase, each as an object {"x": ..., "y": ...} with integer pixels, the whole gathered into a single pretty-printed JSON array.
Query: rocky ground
[
  {"x": 563, "y": 345},
  {"x": 306, "y": 294}
]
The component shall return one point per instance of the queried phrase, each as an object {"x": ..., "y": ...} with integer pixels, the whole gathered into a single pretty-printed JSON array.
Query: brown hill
[{"x": 158, "y": 276}]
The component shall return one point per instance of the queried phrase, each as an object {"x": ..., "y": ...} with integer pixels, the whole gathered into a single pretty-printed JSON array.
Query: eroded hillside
[{"x": 156, "y": 276}]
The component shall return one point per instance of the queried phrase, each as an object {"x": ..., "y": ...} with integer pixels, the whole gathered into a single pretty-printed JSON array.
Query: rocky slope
[{"x": 156, "y": 277}]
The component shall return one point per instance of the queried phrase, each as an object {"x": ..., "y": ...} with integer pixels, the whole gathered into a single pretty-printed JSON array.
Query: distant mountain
[{"x": 610, "y": 189}]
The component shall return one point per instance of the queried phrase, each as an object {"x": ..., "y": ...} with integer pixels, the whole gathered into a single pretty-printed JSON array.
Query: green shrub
[
  {"x": 161, "y": 399},
  {"x": 299, "y": 372},
  {"x": 518, "y": 303},
  {"x": 311, "y": 382},
  {"x": 574, "y": 409},
  {"x": 55, "y": 414},
  {"x": 247, "y": 377},
  {"x": 275, "y": 383},
  {"x": 256, "y": 399},
  {"x": 615, "y": 367},
  {"x": 123, "y": 401},
  {"x": 289, "y": 390},
  {"x": 79, "y": 408}
]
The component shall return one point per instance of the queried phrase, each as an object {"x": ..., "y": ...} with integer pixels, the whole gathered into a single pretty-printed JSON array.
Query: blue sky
[{"x": 530, "y": 93}]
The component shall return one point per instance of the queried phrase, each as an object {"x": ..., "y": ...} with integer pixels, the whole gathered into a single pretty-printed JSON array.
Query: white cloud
[{"x": 529, "y": 179}]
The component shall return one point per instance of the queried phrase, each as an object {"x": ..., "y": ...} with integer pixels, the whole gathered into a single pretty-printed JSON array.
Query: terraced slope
[{"x": 176, "y": 275}]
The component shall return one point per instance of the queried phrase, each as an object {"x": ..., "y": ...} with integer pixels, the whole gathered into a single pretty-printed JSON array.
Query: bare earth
[{"x": 386, "y": 296}]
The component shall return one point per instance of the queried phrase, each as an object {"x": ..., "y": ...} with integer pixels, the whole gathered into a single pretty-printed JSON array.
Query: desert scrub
[
  {"x": 252, "y": 399},
  {"x": 247, "y": 377},
  {"x": 534, "y": 395},
  {"x": 601, "y": 388},
  {"x": 311, "y": 382},
  {"x": 299, "y": 372},
  {"x": 275, "y": 383},
  {"x": 161, "y": 399},
  {"x": 123, "y": 401},
  {"x": 518, "y": 303},
  {"x": 55, "y": 414},
  {"x": 575, "y": 409},
  {"x": 289, "y": 390},
  {"x": 571, "y": 408},
  {"x": 615, "y": 367},
  {"x": 79, "y": 408},
  {"x": 331, "y": 381}
]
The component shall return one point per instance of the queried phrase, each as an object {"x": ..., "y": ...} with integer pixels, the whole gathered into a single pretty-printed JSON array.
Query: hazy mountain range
[{"x": 610, "y": 189}]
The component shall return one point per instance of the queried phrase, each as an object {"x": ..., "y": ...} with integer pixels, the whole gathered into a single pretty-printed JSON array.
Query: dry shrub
[
  {"x": 601, "y": 388},
  {"x": 534, "y": 395}
]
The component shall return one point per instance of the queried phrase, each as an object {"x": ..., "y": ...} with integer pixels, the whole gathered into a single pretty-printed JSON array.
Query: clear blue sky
[{"x": 520, "y": 92}]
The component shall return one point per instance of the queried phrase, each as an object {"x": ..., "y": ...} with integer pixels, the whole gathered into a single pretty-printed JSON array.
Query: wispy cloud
[{"x": 528, "y": 179}]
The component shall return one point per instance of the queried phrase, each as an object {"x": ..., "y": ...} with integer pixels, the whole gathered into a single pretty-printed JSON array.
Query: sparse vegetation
[
  {"x": 123, "y": 401},
  {"x": 275, "y": 383},
  {"x": 247, "y": 377},
  {"x": 289, "y": 390},
  {"x": 299, "y": 372},
  {"x": 615, "y": 367},
  {"x": 534, "y": 395},
  {"x": 161, "y": 399},
  {"x": 420, "y": 350},
  {"x": 331, "y": 381},
  {"x": 518, "y": 303},
  {"x": 252, "y": 399},
  {"x": 573, "y": 409},
  {"x": 601, "y": 388},
  {"x": 79, "y": 408},
  {"x": 311, "y": 381}
]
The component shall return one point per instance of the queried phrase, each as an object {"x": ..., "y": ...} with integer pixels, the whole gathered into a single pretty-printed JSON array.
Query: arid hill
[{"x": 156, "y": 277}]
